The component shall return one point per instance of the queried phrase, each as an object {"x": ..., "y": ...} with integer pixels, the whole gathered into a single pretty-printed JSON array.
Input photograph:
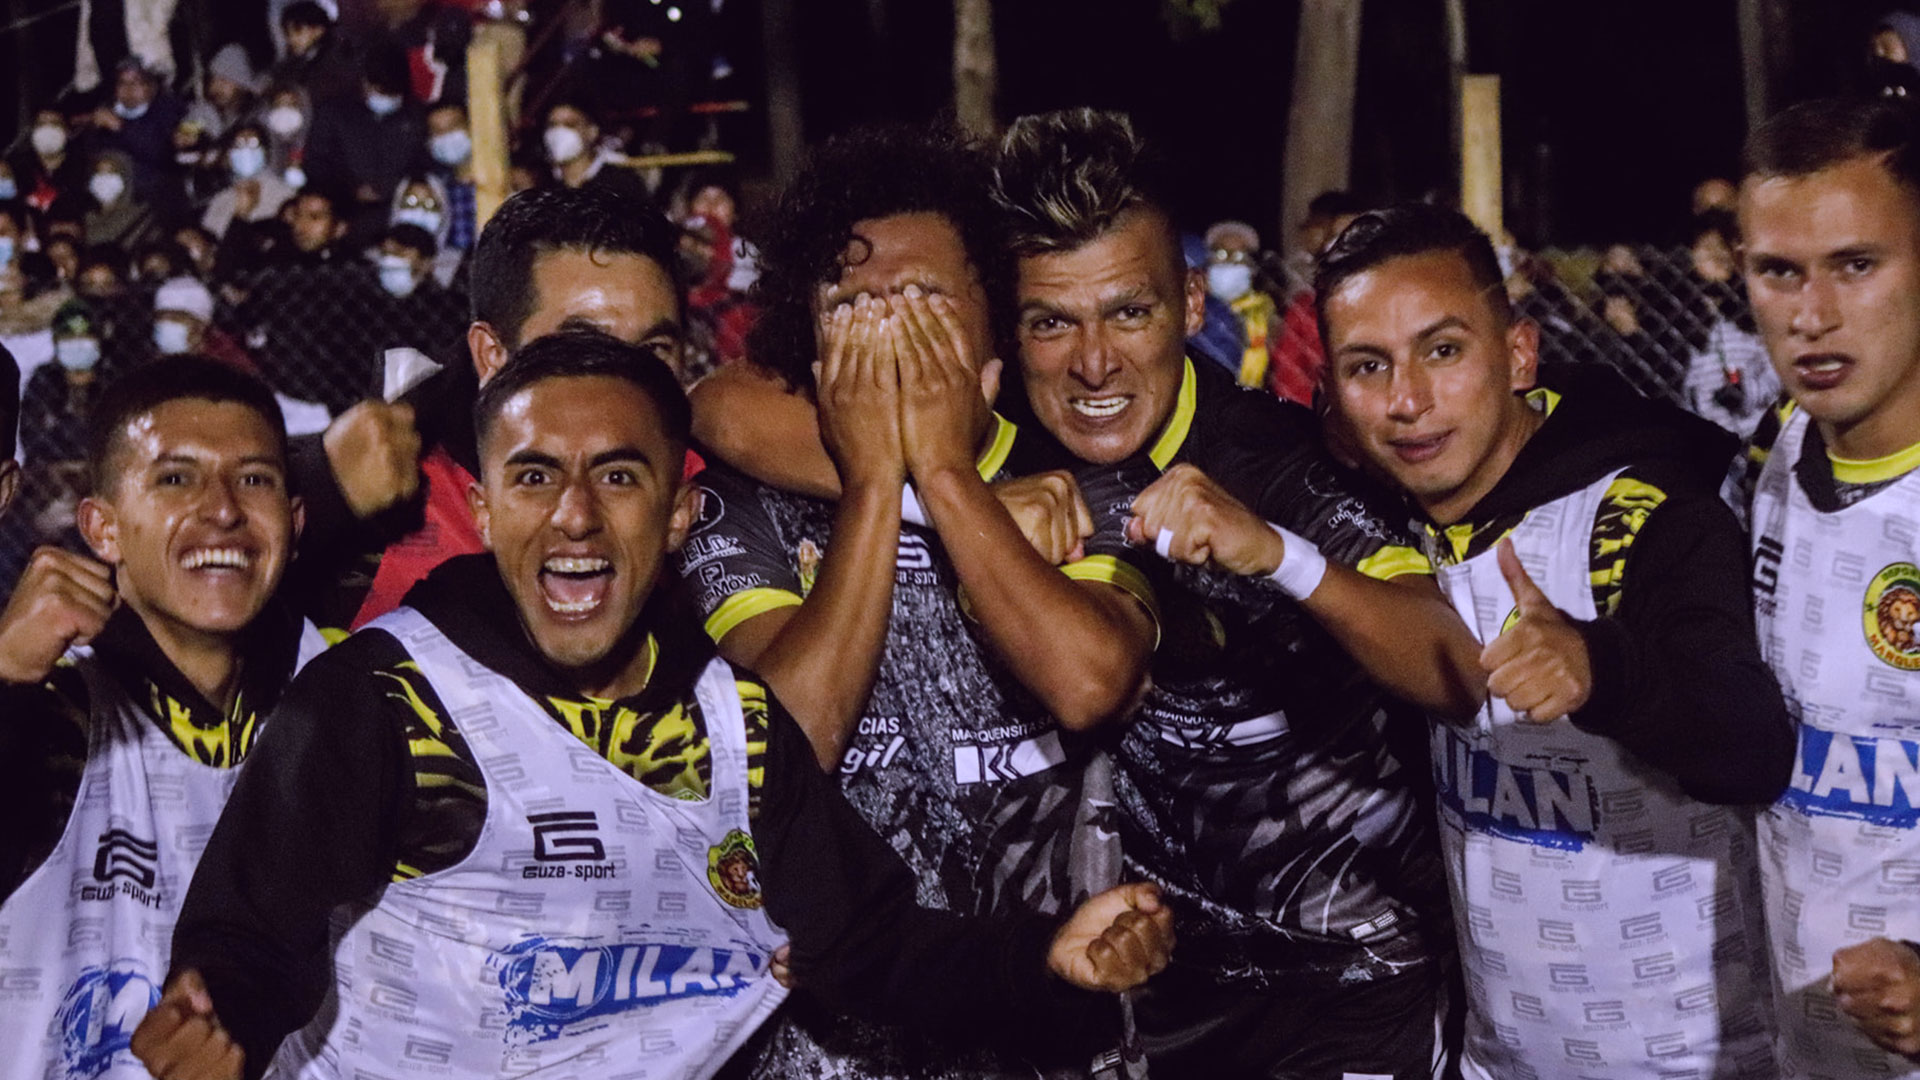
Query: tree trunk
[
  {"x": 1765, "y": 38},
  {"x": 786, "y": 130},
  {"x": 975, "y": 73},
  {"x": 1326, "y": 71}
]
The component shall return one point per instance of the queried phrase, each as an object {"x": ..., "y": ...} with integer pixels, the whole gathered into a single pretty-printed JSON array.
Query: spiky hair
[{"x": 1064, "y": 178}]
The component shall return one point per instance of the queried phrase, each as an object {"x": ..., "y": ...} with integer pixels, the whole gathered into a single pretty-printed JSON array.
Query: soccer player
[
  {"x": 939, "y": 667},
  {"x": 1830, "y": 209},
  {"x": 640, "y": 823},
  {"x": 1592, "y": 813},
  {"x": 132, "y": 687}
]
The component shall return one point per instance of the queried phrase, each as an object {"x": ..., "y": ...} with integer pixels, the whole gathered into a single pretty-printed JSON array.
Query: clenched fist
[
  {"x": 62, "y": 599},
  {"x": 181, "y": 1038},
  {"x": 1051, "y": 513},
  {"x": 1877, "y": 984},
  {"x": 1539, "y": 665},
  {"x": 1115, "y": 941},
  {"x": 374, "y": 450},
  {"x": 1204, "y": 525}
]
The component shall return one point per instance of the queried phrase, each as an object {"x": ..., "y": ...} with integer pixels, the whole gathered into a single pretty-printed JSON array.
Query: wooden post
[
  {"x": 975, "y": 71},
  {"x": 487, "y": 119},
  {"x": 1326, "y": 70},
  {"x": 1480, "y": 153}
]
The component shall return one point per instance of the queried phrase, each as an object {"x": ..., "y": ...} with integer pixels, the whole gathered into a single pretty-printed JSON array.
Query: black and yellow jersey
[{"x": 43, "y": 728}]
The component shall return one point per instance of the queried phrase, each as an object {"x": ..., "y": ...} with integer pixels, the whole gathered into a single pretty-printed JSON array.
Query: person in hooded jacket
[{"x": 1596, "y": 813}]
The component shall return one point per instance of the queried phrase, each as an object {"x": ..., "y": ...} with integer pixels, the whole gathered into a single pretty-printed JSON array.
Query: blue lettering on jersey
[
  {"x": 98, "y": 1015},
  {"x": 551, "y": 986},
  {"x": 1864, "y": 777},
  {"x": 1538, "y": 806}
]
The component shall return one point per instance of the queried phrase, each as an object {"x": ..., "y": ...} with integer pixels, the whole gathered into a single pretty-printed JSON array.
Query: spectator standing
[
  {"x": 421, "y": 201},
  {"x": 364, "y": 147},
  {"x": 119, "y": 216},
  {"x": 1233, "y": 250},
  {"x": 232, "y": 89},
  {"x": 287, "y": 120},
  {"x": 140, "y": 123},
  {"x": 307, "y": 232},
  {"x": 57, "y": 395},
  {"x": 422, "y": 312},
  {"x": 572, "y": 142},
  {"x": 450, "y": 144},
  {"x": 256, "y": 193},
  {"x": 45, "y": 168},
  {"x": 27, "y": 307},
  {"x": 1729, "y": 378},
  {"x": 317, "y": 59}
]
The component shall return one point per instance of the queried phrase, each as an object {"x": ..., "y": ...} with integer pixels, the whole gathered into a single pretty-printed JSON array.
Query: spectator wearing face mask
[
  {"x": 139, "y": 123},
  {"x": 571, "y": 140},
  {"x": 287, "y": 120},
  {"x": 232, "y": 87},
  {"x": 1233, "y": 251},
  {"x": 44, "y": 168},
  {"x": 256, "y": 193},
  {"x": 118, "y": 215},
  {"x": 421, "y": 312},
  {"x": 365, "y": 147},
  {"x": 421, "y": 201},
  {"x": 58, "y": 393},
  {"x": 450, "y": 144}
]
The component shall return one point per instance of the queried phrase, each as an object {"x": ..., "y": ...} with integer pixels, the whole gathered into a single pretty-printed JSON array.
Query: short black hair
[
  {"x": 172, "y": 378},
  {"x": 325, "y": 193},
  {"x": 870, "y": 173},
  {"x": 536, "y": 222},
  {"x": 9, "y": 402},
  {"x": 1409, "y": 229},
  {"x": 580, "y": 354},
  {"x": 305, "y": 13},
  {"x": 413, "y": 238},
  {"x": 1817, "y": 135},
  {"x": 386, "y": 68}
]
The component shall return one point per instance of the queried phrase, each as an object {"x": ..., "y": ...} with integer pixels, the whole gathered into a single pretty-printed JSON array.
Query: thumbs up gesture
[{"x": 1539, "y": 665}]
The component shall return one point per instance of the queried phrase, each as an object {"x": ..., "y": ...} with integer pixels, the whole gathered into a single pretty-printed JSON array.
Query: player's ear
[
  {"x": 482, "y": 517},
  {"x": 1523, "y": 354},
  {"x": 1196, "y": 297},
  {"x": 100, "y": 528},
  {"x": 488, "y": 350},
  {"x": 686, "y": 508}
]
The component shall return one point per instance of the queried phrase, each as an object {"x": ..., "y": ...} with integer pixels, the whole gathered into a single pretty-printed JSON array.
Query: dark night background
[{"x": 1613, "y": 109}]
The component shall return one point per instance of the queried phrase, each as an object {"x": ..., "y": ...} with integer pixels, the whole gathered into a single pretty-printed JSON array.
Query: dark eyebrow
[
  {"x": 1138, "y": 295},
  {"x": 1361, "y": 348},
  {"x": 667, "y": 327},
  {"x": 534, "y": 457},
  {"x": 619, "y": 455},
  {"x": 1041, "y": 307},
  {"x": 1451, "y": 322},
  {"x": 1854, "y": 252}
]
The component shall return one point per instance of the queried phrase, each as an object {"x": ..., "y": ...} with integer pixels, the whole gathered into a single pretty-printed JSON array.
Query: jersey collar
[
  {"x": 994, "y": 458},
  {"x": 1174, "y": 435},
  {"x": 1893, "y": 466}
]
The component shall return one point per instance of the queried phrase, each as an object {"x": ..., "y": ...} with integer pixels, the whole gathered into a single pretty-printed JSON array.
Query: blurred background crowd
[{"x": 291, "y": 187}]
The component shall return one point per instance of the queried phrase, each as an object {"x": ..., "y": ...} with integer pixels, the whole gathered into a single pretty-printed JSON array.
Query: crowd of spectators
[{"x": 295, "y": 220}]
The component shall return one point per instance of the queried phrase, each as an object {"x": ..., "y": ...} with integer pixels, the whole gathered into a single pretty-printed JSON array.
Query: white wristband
[
  {"x": 1301, "y": 568},
  {"x": 910, "y": 511}
]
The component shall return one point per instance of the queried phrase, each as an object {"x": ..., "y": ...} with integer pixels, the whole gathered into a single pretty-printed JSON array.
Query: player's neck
[
  {"x": 209, "y": 662},
  {"x": 1892, "y": 426},
  {"x": 1518, "y": 424}
]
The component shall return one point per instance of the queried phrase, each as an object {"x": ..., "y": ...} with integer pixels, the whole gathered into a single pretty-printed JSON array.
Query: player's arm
[
  {"x": 1677, "y": 675},
  {"x": 861, "y": 943},
  {"x": 820, "y": 655},
  {"x": 1386, "y": 612},
  {"x": 253, "y": 929},
  {"x": 1081, "y": 645},
  {"x": 751, "y": 421}
]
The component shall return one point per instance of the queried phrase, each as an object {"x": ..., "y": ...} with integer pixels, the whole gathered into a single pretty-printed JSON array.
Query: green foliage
[{"x": 1188, "y": 17}]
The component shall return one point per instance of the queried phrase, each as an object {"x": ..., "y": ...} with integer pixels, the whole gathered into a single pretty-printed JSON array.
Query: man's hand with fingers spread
[
  {"x": 1051, "y": 513},
  {"x": 943, "y": 412},
  {"x": 1115, "y": 941},
  {"x": 181, "y": 1038},
  {"x": 1877, "y": 984},
  {"x": 1539, "y": 665},
  {"x": 62, "y": 599},
  {"x": 1203, "y": 524},
  {"x": 857, "y": 384}
]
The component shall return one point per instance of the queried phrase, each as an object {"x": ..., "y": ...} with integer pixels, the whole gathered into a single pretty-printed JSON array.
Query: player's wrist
[{"x": 1301, "y": 568}]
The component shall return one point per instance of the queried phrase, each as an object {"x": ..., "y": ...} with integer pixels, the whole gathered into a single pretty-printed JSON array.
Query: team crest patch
[
  {"x": 809, "y": 559},
  {"x": 1892, "y": 615},
  {"x": 734, "y": 869},
  {"x": 1506, "y": 624}
]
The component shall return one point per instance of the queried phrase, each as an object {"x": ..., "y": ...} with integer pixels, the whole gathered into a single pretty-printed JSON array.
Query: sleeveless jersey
[
  {"x": 1609, "y": 925},
  {"x": 1837, "y": 604},
  {"x": 597, "y": 927},
  {"x": 86, "y": 940}
]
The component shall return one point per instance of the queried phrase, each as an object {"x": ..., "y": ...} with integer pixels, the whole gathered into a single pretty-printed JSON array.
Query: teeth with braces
[
  {"x": 562, "y": 565},
  {"x": 1100, "y": 408},
  {"x": 228, "y": 558}
]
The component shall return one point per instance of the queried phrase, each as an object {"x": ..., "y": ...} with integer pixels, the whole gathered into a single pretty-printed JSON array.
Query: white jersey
[
  {"x": 598, "y": 927},
  {"x": 86, "y": 940},
  {"x": 1837, "y": 603},
  {"x": 1609, "y": 925}
]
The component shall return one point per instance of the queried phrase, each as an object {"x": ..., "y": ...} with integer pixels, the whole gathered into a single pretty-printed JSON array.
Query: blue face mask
[
  {"x": 6, "y": 250},
  {"x": 9, "y": 189},
  {"x": 451, "y": 148},
  {"x": 170, "y": 337},
  {"x": 1229, "y": 281},
  {"x": 383, "y": 104},
  {"x": 77, "y": 354},
  {"x": 396, "y": 276},
  {"x": 130, "y": 112}
]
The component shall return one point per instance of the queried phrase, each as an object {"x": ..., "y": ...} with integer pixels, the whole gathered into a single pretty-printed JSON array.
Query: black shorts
[{"x": 1386, "y": 1028}]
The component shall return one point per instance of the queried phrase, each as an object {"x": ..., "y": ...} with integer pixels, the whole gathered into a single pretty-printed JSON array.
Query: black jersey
[{"x": 1267, "y": 784}]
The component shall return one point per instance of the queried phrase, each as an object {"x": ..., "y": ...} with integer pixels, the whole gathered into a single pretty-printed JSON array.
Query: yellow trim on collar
[
  {"x": 1108, "y": 570},
  {"x": 1174, "y": 435},
  {"x": 1894, "y": 465},
  {"x": 995, "y": 458},
  {"x": 1543, "y": 399},
  {"x": 744, "y": 605},
  {"x": 1394, "y": 561}
]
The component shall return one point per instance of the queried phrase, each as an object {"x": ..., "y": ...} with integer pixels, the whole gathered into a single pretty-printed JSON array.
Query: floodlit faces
[
  {"x": 312, "y": 221},
  {"x": 1424, "y": 373},
  {"x": 626, "y": 296},
  {"x": 924, "y": 249},
  {"x": 580, "y": 501},
  {"x": 1833, "y": 269},
  {"x": 195, "y": 517},
  {"x": 1103, "y": 335}
]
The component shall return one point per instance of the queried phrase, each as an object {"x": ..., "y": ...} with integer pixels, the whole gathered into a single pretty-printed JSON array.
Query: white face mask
[
  {"x": 247, "y": 161},
  {"x": 418, "y": 215},
  {"x": 285, "y": 121},
  {"x": 49, "y": 140},
  {"x": 8, "y": 189},
  {"x": 77, "y": 354},
  {"x": 130, "y": 112},
  {"x": 383, "y": 104},
  {"x": 451, "y": 148},
  {"x": 107, "y": 187},
  {"x": 396, "y": 276},
  {"x": 564, "y": 144},
  {"x": 1229, "y": 281},
  {"x": 171, "y": 336}
]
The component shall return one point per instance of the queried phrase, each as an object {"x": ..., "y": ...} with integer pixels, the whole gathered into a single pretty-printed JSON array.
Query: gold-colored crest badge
[
  {"x": 809, "y": 565},
  {"x": 1892, "y": 616},
  {"x": 734, "y": 869}
]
